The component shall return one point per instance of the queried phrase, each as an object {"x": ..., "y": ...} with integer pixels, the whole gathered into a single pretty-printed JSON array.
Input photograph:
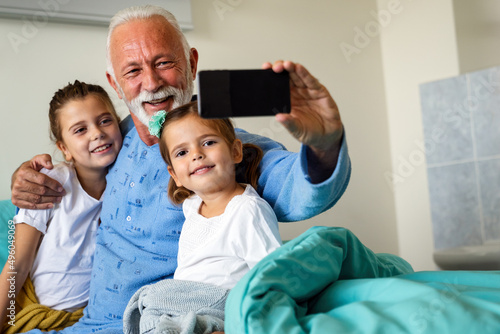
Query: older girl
[{"x": 54, "y": 248}]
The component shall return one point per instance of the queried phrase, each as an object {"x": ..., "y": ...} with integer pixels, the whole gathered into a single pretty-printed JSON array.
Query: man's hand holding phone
[
  {"x": 314, "y": 118},
  {"x": 284, "y": 89}
]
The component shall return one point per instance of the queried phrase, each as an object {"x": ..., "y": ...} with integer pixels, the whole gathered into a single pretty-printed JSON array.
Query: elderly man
[{"x": 152, "y": 67}]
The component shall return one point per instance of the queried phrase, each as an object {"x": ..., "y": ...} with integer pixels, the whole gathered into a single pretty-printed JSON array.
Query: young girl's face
[
  {"x": 202, "y": 161},
  {"x": 90, "y": 133}
]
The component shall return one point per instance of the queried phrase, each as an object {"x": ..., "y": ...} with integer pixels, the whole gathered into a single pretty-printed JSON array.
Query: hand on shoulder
[{"x": 34, "y": 190}]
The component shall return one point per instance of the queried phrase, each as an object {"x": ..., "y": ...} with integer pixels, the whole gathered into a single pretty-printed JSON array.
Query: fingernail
[
  {"x": 60, "y": 189},
  {"x": 58, "y": 199}
]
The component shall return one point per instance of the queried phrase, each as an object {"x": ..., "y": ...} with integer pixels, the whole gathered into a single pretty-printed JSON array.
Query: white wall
[
  {"x": 252, "y": 32},
  {"x": 418, "y": 46},
  {"x": 40, "y": 61},
  {"x": 311, "y": 33}
]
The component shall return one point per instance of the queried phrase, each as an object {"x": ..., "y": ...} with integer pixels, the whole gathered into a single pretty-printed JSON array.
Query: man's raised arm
[
  {"x": 314, "y": 119},
  {"x": 31, "y": 189}
]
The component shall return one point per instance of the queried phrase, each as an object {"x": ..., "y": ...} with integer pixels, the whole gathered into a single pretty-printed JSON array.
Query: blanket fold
[
  {"x": 327, "y": 281},
  {"x": 274, "y": 296},
  {"x": 31, "y": 315}
]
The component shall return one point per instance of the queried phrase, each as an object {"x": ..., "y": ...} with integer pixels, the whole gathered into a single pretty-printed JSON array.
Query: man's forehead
[{"x": 142, "y": 35}]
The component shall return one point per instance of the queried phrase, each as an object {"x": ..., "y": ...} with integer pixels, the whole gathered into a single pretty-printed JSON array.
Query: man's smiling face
[{"x": 150, "y": 67}]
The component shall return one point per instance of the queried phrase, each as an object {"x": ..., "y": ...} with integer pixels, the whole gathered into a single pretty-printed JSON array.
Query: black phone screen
[{"x": 242, "y": 93}]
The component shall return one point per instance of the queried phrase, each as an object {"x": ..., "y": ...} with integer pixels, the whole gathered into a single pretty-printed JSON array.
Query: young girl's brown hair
[
  {"x": 71, "y": 92},
  {"x": 247, "y": 171}
]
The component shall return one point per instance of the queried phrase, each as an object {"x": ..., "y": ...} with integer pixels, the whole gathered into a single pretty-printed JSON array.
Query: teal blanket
[{"x": 327, "y": 281}]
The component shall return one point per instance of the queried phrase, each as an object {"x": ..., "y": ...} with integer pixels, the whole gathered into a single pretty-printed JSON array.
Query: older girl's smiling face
[{"x": 90, "y": 134}]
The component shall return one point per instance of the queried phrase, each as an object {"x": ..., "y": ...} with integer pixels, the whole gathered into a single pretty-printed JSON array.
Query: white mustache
[
  {"x": 162, "y": 94},
  {"x": 179, "y": 96}
]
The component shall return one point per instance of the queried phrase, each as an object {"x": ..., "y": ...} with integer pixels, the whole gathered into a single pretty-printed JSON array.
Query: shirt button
[
  {"x": 129, "y": 218},
  {"x": 132, "y": 184}
]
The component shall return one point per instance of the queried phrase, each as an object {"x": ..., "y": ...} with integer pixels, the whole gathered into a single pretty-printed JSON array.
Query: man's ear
[
  {"x": 67, "y": 155},
  {"x": 172, "y": 174},
  {"x": 113, "y": 84},
  {"x": 237, "y": 151},
  {"x": 193, "y": 61}
]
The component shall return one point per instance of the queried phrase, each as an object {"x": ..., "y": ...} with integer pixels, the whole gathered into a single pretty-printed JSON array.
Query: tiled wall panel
[{"x": 461, "y": 117}]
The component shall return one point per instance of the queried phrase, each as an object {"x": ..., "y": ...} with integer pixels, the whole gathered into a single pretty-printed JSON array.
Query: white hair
[{"x": 141, "y": 13}]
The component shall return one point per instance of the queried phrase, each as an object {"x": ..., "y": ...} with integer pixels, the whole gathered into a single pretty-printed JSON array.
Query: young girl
[
  {"x": 56, "y": 246},
  {"x": 228, "y": 226}
]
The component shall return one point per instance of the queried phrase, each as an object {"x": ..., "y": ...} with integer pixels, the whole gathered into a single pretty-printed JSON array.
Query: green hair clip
[{"x": 156, "y": 123}]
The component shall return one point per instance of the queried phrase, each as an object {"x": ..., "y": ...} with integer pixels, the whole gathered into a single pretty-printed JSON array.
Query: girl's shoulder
[
  {"x": 251, "y": 193},
  {"x": 249, "y": 200},
  {"x": 62, "y": 172}
]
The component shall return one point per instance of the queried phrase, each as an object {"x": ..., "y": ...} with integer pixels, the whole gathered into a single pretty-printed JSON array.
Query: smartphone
[{"x": 242, "y": 93}]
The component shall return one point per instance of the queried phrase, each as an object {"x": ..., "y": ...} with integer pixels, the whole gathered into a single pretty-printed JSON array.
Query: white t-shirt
[
  {"x": 222, "y": 249},
  {"x": 63, "y": 263}
]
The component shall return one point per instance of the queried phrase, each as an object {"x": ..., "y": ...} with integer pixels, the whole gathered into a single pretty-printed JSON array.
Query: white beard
[{"x": 180, "y": 97}]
